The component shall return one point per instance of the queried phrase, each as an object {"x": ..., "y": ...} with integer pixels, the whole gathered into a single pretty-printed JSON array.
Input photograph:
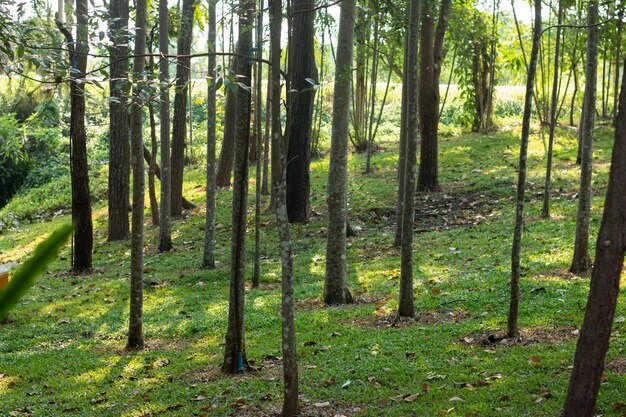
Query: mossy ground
[{"x": 62, "y": 353}]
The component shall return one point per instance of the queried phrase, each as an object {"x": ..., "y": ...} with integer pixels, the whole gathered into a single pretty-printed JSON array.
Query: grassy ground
[{"x": 62, "y": 353}]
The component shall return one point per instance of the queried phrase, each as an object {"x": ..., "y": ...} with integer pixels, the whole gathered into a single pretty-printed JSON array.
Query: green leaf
[{"x": 25, "y": 277}]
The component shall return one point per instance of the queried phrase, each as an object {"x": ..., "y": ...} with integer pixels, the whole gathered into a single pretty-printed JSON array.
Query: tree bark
[
  {"x": 179, "y": 122},
  {"x": 208, "y": 259},
  {"x": 512, "y": 326},
  {"x": 225, "y": 163},
  {"x": 119, "y": 149},
  {"x": 135, "y": 328},
  {"x": 618, "y": 53},
  {"x": 336, "y": 283},
  {"x": 152, "y": 167},
  {"x": 234, "y": 355},
  {"x": 258, "y": 92},
  {"x": 406, "y": 307},
  {"x": 545, "y": 212},
  {"x": 165, "y": 235},
  {"x": 431, "y": 55},
  {"x": 81, "y": 199},
  {"x": 595, "y": 334},
  {"x": 301, "y": 67},
  {"x": 581, "y": 261},
  {"x": 402, "y": 147}
]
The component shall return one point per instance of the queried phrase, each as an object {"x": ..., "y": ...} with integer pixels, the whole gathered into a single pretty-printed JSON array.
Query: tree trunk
[
  {"x": 81, "y": 199},
  {"x": 581, "y": 261},
  {"x": 618, "y": 53},
  {"x": 152, "y": 166},
  {"x": 234, "y": 355},
  {"x": 360, "y": 93},
  {"x": 135, "y": 328},
  {"x": 545, "y": 212},
  {"x": 512, "y": 327},
  {"x": 225, "y": 163},
  {"x": 301, "y": 67},
  {"x": 290, "y": 361},
  {"x": 402, "y": 146},
  {"x": 165, "y": 236},
  {"x": 119, "y": 150},
  {"x": 208, "y": 259},
  {"x": 336, "y": 283},
  {"x": 595, "y": 334},
  {"x": 179, "y": 122},
  {"x": 431, "y": 54},
  {"x": 406, "y": 307},
  {"x": 258, "y": 92},
  {"x": 265, "y": 189}
]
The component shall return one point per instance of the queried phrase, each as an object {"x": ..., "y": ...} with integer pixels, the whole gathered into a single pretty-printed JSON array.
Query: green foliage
[
  {"x": 26, "y": 275},
  {"x": 14, "y": 161}
]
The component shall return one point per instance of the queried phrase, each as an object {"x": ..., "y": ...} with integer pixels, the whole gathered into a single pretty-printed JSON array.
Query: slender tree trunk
[
  {"x": 152, "y": 165},
  {"x": 301, "y": 68},
  {"x": 208, "y": 258},
  {"x": 227, "y": 153},
  {"x": 119, "y": 150},
  {"x": 135, "y": 328},
  {"x": 512, "y": 325},
  {"x": 234, "y": 355},
  {"x": 336, "y": 284},
  {"x": 265, "y": 190},
  {"x": 618, "y": 53},
  {"x": 81, "y": 199},
  {"x": 165, "y": 236},
  {"x": 402, "y": 146},
  {"x": 581, "y": 261},
  {"x": 545, "y": 212},
  {"x": 431, "y": 54},
  {"x": 290, "y": 361},
  {"x": 595, "y": 334},
  {"x": 179, "y": 122},
  {"x": 360, "y": 93},
  {"x": 372, "y": 102},
  {"x": 258, "y": 88},
  {"x": 406, "y": 307}
]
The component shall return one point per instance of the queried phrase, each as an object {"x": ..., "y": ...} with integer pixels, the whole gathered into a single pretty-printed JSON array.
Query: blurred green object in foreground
[{"x": 26, "y": 275}]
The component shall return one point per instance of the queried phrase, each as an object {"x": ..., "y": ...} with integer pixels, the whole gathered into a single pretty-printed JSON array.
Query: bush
[
  {"x": 14, "y": 161},
  {"x": 507, "y": 108}
]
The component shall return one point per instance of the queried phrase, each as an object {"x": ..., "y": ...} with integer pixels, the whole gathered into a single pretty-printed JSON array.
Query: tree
[
  {"x": 512, "y": 330},
  {"x": 595, "y": 333},
  {"x": 165, "y": 235},
  {"x": 336, "y": 283},
  {"x": 402, "y": 146},
  {"x": 302, "y": 72},
  {"x": 179, "y": 120},
  {"x": 208, "y": 259},
  {"x": 235, "y": 353},
  {"x": 290, "y": 359},
  {"x": 135, "y": 328},
  {"x": 545, "y": 212},
  {"x": 581, "y": 261},
  {"x": 225, "y": 163},
  {"x": 431, "y": 56},
  {"x": 81, "y": 199},
  {"x": 406, "y": 306},
  {"x": 119, "y": 150}
]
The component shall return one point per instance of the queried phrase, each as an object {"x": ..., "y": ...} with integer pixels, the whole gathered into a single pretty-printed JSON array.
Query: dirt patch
[
  {"x": 449, "y": 210},
  {"x": 383, "y": 318},
  {"x": 440, "y": 210},
  {"x": 528, "y": 336},
  {"x": 309, "y": 304},
  {"x": 617, "y": 366},
  {"x": 564, "y": 274}
]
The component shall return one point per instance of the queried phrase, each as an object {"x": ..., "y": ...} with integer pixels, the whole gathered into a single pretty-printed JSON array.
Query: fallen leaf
[
  {"x": 619, "y": 406},
  {"x": 267, "y": 397},
  {"x": 374, "y": 381},
  {"x": 412, "y": 397},
  {"x": 238, "y": 403},
  {"x": 322, "y": 404},
  {"x": 310, "y": 343},
  {"x": 345, "y": 384},
  {"x": 199, "y": 398},
  {"x": 64, "y": 320},
  {"x": 435, "y": 376},
  {"x": 328, "y": 382},
  {"x": 425, "y": 388},
  {"x": 456, "y": 399},
  {"x": 534, "y": 359}
]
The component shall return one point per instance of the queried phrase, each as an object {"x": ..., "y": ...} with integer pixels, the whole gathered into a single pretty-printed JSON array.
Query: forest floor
[{"x": 62, "y": 350}]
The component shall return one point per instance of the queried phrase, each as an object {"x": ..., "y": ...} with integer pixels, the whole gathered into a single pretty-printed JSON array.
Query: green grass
[{"x": 63, "y": 352}]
